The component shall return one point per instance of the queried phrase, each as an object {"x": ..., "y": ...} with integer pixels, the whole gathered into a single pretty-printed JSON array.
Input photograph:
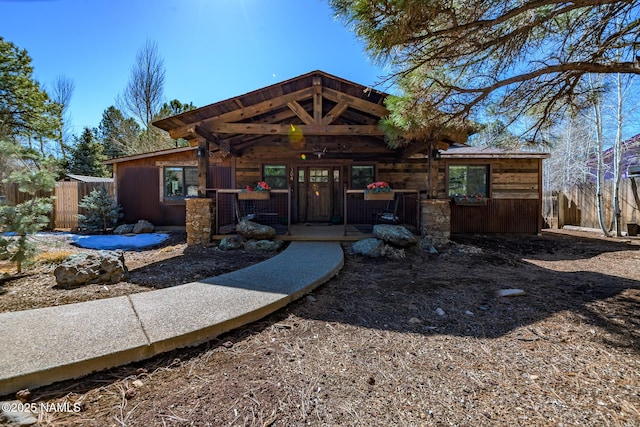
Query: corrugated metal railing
[
  {"x": 274, "y": 211},
  {"x": 498, "y": 216},
  {"x": 363, "y": 214}
]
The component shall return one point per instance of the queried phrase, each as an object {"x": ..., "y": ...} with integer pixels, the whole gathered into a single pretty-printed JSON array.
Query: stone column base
[
  {"x": 435, "y": 221},
  {"x": 200, "y": 217}
]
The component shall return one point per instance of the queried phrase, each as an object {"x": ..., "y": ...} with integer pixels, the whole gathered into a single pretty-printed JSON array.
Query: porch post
[
  {"x": 200, "y": 220},
  {"x": 433, "y": 173},
  {"x": 436, "y": 220},
  {"x": 203, "y": 166}
]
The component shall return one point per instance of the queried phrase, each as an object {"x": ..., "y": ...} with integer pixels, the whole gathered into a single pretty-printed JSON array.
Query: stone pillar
[
  {"x": 436, "y": 220},
  {"x": 200, "y": 217}
]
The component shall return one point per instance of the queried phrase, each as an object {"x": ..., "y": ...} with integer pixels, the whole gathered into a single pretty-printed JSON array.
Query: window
[
  {"x": 318, "y": 175},
  {"x": 180, "y": 182},
  {"x": 468, "y": 180},
  {"x": 361, "y": 176},
  {"x": 275, "y": 175}
]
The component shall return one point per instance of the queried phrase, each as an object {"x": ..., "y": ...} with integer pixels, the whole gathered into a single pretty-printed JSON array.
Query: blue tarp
[{"x": 124, "y": 242}]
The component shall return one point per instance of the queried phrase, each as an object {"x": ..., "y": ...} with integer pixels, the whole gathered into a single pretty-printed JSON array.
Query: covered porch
[
  {"x": 316, "y": 141},
  {"x": 356, "y": 217}
]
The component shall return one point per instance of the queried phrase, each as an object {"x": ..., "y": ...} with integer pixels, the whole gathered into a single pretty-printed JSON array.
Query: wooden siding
[
  {"x": 408, "y": 175},
  {"x": 509, "y": 178},
  {"x": 514, "y": 204}
]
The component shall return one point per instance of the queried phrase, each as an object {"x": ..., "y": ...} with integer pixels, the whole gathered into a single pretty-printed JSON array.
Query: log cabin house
[{"x": 316, "y": 141}]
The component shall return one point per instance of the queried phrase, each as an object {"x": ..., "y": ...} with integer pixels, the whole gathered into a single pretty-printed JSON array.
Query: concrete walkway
[{"x": 42, "y": 346}]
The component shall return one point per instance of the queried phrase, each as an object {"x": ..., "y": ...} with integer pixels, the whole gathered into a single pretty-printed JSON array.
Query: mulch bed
[{"x": 422, "y": 340}]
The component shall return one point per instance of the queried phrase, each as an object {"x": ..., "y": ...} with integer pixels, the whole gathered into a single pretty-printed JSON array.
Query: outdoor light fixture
[
  {"x": 318, "y": 152},
  {"x": 201, "y": 152},
  {"x": 436, "y": 154}
]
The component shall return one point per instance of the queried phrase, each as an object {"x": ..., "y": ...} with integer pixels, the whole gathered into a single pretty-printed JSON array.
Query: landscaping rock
[
  {"x": 392, "y": 252},
  {"x": 510, "y": 293},
  {"x": 394, "y": 234},
  {"x": 263, "y": 245},
  {"x": 123, "y": 229},
  {"x": 84, "y": 268},
  {"x": 252, "y": 230},
  {"x": 371, "y": 247},
  {"x": 426, "y": 245},
  {"x": 231, "y": 243},
  {"x": 466, "y": 250},
  {"x": 143, "y": 226}
]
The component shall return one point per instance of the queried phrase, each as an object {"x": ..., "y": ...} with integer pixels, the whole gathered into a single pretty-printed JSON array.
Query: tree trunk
[{"x": 597, "y": 113}]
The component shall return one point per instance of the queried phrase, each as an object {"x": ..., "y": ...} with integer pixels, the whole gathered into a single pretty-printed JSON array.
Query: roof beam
[
  {"x": 413, "y": 148},
  {"x": 317, "y": 100},
  {"x": 357, "y": 103},
  {"x": 284, "y": 129},
  {"x": 247, "y": 112},
  {"x": 335, "y": 112},
  {"x": 200, "y": 131},
  {"x": 301, "y": 112}
]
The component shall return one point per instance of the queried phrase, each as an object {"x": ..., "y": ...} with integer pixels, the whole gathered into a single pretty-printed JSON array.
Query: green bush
[{"x": 101, "y": 212}]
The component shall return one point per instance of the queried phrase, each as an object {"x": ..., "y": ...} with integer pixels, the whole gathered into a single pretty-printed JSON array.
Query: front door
[{"x": 315, "y": 194}]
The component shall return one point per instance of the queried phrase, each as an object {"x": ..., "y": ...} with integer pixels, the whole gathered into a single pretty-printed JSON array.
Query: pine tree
[
  {"x": 26, "y": 112},
  {"x": 525, "y": 62},
  {"x": 101, "y": 211},
  {"x": 22, "y": 221},
  {"x": 88, "y": 156},
  {"x": 119, "y": 135}
]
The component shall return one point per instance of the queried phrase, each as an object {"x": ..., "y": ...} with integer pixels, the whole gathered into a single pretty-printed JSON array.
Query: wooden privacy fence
[
  {"x": 578, "y": 206},
  {"x": 68, "y": 194}
]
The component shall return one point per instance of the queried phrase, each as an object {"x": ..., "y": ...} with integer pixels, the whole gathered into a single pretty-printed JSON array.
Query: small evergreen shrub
[{"x": 101, "y": 212}]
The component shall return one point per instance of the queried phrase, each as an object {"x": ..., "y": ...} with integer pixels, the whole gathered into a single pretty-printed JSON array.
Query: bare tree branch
[{"x": 144, "y": 95}]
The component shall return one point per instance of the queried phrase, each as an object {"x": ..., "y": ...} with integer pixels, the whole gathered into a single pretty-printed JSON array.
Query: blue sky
[{"x": 213, "y": 49}]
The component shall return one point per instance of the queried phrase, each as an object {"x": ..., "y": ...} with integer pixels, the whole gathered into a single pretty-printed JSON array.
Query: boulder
[
  {"x": 371, "y": 247},
  {"x": 123, "y": 229},
  {"x": 392, "y": 252},
  {"x": 231, "y": 243},
  {"x": 263, "y": 245},
  {"x": 85, "y": 268},
  {"x": 394, "y": 234},
  {"x": 143, "y": 226},
  {"x": 426, "y": 246},
  {"x": 252, "y": 230}
]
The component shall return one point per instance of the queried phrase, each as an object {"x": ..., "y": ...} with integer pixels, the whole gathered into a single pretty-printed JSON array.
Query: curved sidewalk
[{"x": 46, "y": 345}]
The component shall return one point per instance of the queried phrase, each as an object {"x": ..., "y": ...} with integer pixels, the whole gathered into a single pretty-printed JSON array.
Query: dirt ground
[
  {"x": 165, "y": 265},
  {"x": 419, "y": 341}
]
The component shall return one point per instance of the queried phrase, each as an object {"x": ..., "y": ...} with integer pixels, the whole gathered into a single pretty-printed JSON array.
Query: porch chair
[{"x": 389, "y": 215}]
